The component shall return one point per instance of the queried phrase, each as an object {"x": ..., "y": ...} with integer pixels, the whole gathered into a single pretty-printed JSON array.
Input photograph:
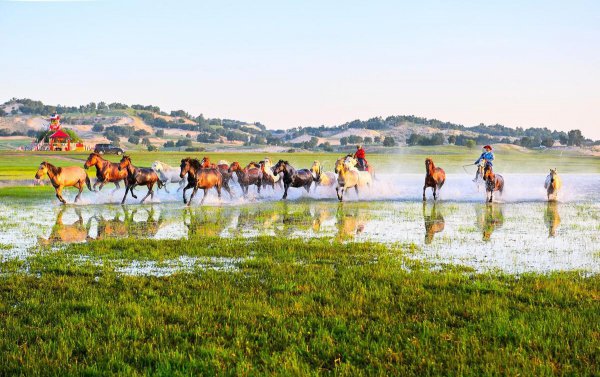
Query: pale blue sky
[{"x": 290, "y": 63}]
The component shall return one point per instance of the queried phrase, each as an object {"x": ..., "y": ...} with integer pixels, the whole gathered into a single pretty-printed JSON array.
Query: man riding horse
[
  {"x": 359, "y": 155},
  {"x": 486, "y": 158}
]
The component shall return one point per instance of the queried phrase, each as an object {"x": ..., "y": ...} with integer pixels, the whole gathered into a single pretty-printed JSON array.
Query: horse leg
[
  {"x": 424, "y": 187},
  {"x": 434, "y": 192},
  {"x": 96, "y": 184},
  {"x": 127, "y": 188},
  {"x": 149, "y": 193},
  {"x": 192, "y": 196},
  {"x": 337, "y": 192},
  {"x": 204, "y": 196},
  {"x": 80, "y": 187},
  {"x": 356, "y": 189},
  {"x": 189, "y": 186},
  {"x": 181, "y": 185},
  {"x": 165, "y": 186},
  {"x": 285, "y": 188},
  {"x": 219, "y": 192},
  {"x": 59, "y": 195},
  {"x": 491, "y": 196}
]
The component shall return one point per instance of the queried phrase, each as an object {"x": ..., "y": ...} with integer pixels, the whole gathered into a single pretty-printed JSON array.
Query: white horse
[
  {"x": 553, "y": 185},
  {"x": 168, "y": 174},
  {"x": 322, "y": 178}
]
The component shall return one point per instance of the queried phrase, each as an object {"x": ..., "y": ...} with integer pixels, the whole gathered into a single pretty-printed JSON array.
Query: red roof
[{"x": 60, "y": 134}]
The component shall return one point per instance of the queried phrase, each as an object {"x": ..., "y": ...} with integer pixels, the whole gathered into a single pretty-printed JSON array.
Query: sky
[{"x": 308, "y": 63}]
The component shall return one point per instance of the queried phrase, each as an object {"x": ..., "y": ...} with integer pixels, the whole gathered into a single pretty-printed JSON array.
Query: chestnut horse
[
  {"x": 199, "y": 178},
  {"x": 434, "y": 178},
  {"x": 247, "y": 176},
  {"x": 552, "y": 185},
  {"x": 106, "y": 171},
  {"x": 71, "y": 176},
  {"x": 493, "y": 182},
  {"x": 223, "y": 168},
  {"x": 138, "y": 177},
  {"x": 293, "y": 177}
]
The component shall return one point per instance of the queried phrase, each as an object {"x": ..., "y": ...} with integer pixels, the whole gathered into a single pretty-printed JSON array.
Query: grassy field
[
  {"x": 22, "y": 165},
  {"x": 288, "y": 307}
]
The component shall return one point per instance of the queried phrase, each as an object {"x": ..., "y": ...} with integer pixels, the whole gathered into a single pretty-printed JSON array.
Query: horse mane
[
  {"x": 54, "y": 169},
  {"x": 194, "y": 162},
  {"x": 166, "y": 166}
]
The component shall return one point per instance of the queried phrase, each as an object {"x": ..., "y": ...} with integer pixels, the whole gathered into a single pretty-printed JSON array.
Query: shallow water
[{"x": 521, "y": 233}]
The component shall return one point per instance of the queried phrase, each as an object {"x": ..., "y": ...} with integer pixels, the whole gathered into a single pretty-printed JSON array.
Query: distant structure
[
  {"x": 55, "y": 122},
  {"x": 59, "y": 140}
]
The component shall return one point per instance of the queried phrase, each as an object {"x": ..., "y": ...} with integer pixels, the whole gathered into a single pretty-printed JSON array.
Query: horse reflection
[
  {"x": 123, "y": 224},
  {"x": 350, "y": 222},
  {"x": 489, "y": 218},
  {"x": 552, "y": 218},
  {"x": 434, "y": 222},
  {"x": 204, "y": 221},
  {"x": 67, "y": 233}
]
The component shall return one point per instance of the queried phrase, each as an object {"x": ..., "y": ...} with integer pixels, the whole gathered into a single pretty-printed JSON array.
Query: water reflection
[
  {"x": 67, "y": 233},
  {"x": 434, "y": 222},
  {"x": 489, "y": 218},
  {"x": 139, "y": 222},
  {"x": 552, "y": 218}
]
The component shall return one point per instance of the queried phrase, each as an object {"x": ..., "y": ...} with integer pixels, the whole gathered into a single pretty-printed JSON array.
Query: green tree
[
  {"x": 134, "y": 139},
  {"x": 160, "y": 133},
  {"x": 548, "y": 142},
  {"x": 470, "y": 144},
  {"x": 344, "y": 140},
  {"x": 377, "y": 139},
  {"x": 575, "y": 138},
  {"x": 368, "y": 140},
  {"x": 452, "y": 139},
  {"x": 389, "y": 141}
]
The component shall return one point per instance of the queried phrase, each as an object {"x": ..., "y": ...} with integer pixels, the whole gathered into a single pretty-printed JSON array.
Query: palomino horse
[
  {"x": 348, "y": 177},
  {"x": 199, "y": 178},
  {"x": 322, "y": 178},
  {"x": 434, "y": 223},
  {"x": 71, "y": 176},
  {"x": 353, "y": 162},
  {"x": 106, "y": 171},
  {"x": 269, "y": 178},
  {"x": 168, "y": 174},
  {"x": 138, "y": 177},
  {"x": 434, "y": 178},
  {"x": 247, "y": 176},
  {"x": 223, "y": 167},
  {"x": 493, "y": 182},
  {"x": 552, "y": 185},
  {"x": 293, "y": 177}
]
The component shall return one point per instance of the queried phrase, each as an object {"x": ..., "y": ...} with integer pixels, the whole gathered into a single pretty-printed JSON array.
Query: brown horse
[
  {"x": 293, "y": 177},
  {"x": 434, "y": 178},
  {"x": 199, "y": 178},
  {"x": 223, "y": 169},
  {"x": 493, "y": 182},
  {"x": 247, "y": 176},
  {"x": 138, "y": 177},
  {"x": 434, "y": 223},
  {"x": 71, "y": 176},
  {"x": 106, "y": 171},
  {"x": 552, "y": 185}
]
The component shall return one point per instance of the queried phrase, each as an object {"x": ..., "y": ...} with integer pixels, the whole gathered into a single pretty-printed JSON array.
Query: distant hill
[{"x": 142, "y": 125}]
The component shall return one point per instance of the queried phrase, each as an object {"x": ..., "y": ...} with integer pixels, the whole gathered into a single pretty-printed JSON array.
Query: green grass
[
  {"x": 290, "y": 307},
  {"x": 22, "y": 165}
]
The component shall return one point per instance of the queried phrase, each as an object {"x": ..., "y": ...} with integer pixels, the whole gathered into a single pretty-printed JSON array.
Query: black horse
[{"x": 293, "y": 177}]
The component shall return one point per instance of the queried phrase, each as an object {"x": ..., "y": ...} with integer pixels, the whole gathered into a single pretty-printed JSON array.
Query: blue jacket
[{"x": 488, "y": 156}]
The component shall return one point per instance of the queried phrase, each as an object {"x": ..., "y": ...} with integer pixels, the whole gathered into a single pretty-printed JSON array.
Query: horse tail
[{"x": 88, "y": 183}]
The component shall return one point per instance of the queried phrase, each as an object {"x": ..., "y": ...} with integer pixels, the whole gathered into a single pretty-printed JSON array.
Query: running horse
[
  {"x": 106, "y": 171},
  {"x": 349, "y": 176},
  {"x": 552, "y": 185},
  {"x": 434, "y": 178},
  {"x": 293, "y": 177},
  {"x": 223, "y": 168},
  {"x": 71, "y": 176},
  {"x": 168, "y": 174},
  {"x": 138, "y": 177},
  {"x": 322, "y": 178},
  {"x": 353, "y": 162},
  {"x": 493, "y": 182},
  {"x": 199, "y": 178},
  {"x": 247, "y": 176},
  {"x": 269, "y": 178}
]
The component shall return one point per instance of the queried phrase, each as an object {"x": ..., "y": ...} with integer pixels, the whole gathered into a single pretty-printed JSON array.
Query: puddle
[{"x": 513, "y": 236}]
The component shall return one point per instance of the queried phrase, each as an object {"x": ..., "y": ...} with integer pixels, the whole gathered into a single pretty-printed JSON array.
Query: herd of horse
[{"x": 194, "y": 174}]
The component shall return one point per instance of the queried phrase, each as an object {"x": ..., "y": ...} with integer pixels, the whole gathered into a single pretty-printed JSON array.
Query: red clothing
[{"x": 360, "y": 153}]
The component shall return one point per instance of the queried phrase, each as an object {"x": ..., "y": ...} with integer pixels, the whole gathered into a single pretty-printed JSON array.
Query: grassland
[
  {"x": 22, "y": 165},
  {"x": 288, "y": 307}
]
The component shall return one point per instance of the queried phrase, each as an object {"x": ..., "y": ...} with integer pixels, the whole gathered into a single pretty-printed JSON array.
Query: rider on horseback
[
  {"x": 486, "y": 158},
  {"x": 359, "y": 155}
]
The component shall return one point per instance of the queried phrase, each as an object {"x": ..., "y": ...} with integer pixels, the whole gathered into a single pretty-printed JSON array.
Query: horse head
[
  {"x": 340, "y": 164},
  {"x": 92, "y": 160},
  {"x": 42, "y": 170},
  {"x": 205, "y": 162},
  {"x": 553, "y": 174},
  {"x": 157, "y": 166},
  {"x": 280, "y": 167},
  {"x": 235, "y": 166},
  {"x": 125, "y": 162},
  {"x": 316, "y": 169},
  {"x": 184, "y": 167},
  {"x": 429, "y": 165}
]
